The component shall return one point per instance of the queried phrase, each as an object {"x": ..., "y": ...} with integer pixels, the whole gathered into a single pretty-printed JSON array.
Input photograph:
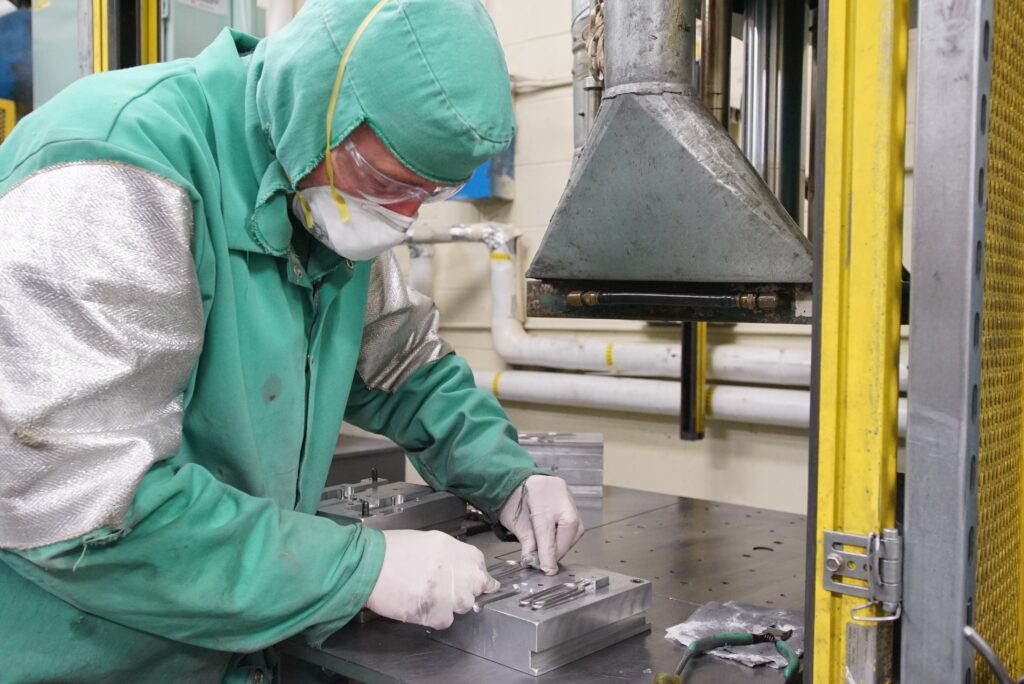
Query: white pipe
[
  {"x": 769, "y": 366},
  {"x": 279, "y": 13},
  {"x": 494, "y": 235},
  {"x": 421, "y": 269},
  {"x": 658, "y": 397},
  {"x": 244, "y": 23},
  {"x": 727, "y": 362},
  {"x": 755, "y": 405},
  {"x": 731, "y": 362},
  {"x": 759, "y": 405},
  {"x": 517, "y": 347},
  {"x": 760, "y": 365}
]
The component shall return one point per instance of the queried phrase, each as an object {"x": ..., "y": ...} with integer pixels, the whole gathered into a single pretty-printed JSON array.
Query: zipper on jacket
[
  {"x": 309, "y": 382},
  {"x": 312, "y": 324}
]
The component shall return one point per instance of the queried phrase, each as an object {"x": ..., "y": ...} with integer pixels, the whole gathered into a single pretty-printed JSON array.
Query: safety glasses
[{"x": 376, "y": 186}]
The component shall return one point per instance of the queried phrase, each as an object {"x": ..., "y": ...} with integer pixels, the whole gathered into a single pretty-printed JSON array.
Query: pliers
[{"x": 774, "y": 635}]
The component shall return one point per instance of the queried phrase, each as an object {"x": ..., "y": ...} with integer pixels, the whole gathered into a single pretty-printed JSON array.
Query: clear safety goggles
[{"x": 376, "y": 186}]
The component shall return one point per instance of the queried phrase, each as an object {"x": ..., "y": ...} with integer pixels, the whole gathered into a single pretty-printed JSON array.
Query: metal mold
[
  {"x": 384, "y": 505},
  {"x": 576, "y": 457},
  {"x": 541, "y": 636}
]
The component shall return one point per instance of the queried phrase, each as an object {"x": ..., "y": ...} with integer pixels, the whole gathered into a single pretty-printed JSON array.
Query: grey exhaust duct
[{"x": 661, "y": 202}]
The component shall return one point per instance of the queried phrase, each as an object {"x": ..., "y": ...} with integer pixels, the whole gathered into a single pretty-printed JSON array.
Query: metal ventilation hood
[{"x": 661, "y": 201}]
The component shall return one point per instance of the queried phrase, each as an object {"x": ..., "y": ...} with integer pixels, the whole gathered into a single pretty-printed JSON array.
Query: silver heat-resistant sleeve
[
  {"x": 400, "y": 335},
  {"x": 101, "y": 326}
]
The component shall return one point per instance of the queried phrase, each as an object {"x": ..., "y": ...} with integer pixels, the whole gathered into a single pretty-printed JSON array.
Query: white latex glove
[
  {"x": 542, "y": 515},
  {"x": 427, "y": 577}
]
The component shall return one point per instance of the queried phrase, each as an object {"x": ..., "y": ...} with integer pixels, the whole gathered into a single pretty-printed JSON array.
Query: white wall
[{"x": 763, "y": 467}]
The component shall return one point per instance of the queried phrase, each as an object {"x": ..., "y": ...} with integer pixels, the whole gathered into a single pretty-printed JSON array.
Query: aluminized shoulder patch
[
  {"x": 101, "y": 326},
  {"x": 401, "y": 331}
]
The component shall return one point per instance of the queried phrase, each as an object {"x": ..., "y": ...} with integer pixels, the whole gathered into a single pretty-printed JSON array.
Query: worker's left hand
[{"x": 542, "y": 515}]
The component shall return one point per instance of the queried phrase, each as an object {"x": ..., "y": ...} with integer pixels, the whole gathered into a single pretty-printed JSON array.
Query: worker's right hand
[{"x": 427, "y": 577}]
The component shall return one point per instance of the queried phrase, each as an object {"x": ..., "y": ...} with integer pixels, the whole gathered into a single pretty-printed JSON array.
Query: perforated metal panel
[{"x": 1001, "y": 461}]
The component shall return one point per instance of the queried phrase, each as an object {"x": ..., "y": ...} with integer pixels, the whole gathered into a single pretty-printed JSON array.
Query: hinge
[
  {"x": 876, "y": 565},
  {"x": 165, "y": 9}
]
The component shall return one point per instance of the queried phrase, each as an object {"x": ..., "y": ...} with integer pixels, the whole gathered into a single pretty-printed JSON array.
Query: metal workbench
[{"x": 693, "y": 551}]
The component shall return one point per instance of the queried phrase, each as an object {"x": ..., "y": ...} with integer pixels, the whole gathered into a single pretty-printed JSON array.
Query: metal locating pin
[
  {"x": 498, "y": 596},
  {"x": 506, "y": 569},
  {"x": 570, "y": 592},
  {"x": 550, "y": 591}
]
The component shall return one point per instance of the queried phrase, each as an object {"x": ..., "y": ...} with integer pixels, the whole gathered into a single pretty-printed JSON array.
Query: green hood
[{"x": 428, "y": 75}]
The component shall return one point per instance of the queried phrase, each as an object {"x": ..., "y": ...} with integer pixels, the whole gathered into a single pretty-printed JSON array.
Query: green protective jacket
[{"x": 178, "y": 357}]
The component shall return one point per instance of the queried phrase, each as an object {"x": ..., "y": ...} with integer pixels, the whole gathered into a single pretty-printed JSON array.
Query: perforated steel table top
[{"x": 692, "y": 551}]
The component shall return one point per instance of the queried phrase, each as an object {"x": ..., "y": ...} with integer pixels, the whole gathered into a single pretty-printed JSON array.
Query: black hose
[{"x": 664, "y": 299}]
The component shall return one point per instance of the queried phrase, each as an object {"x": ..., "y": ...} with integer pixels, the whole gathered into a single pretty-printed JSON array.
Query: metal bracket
[{"x": 876, "y": 568}]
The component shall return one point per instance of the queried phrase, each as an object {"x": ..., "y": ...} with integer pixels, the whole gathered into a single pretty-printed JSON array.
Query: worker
[{"x": 197, "y": 289}]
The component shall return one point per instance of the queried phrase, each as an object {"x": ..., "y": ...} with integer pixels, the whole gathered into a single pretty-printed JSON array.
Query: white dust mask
[{"x": 369, "y": 231}]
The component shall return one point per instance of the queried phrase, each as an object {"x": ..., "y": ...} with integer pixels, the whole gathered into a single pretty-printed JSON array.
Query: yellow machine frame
[
  {"x": 859, "y": 306},
  {"x": 149, "y": 42},
  {"x": 100, "y": 45},
  {"x": 150, "y": 38},
  {"x": 7, "y": 118}
]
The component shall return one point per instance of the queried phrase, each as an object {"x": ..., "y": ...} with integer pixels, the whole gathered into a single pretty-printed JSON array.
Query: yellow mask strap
[
  {"x": 307, "y": 213},
  {"x": 338, "y": 199}
]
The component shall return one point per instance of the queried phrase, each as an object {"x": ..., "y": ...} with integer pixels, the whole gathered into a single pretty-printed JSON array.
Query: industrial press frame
[
  {"x": 958, "y": 531},
  {"x": 882, "y": 589}
]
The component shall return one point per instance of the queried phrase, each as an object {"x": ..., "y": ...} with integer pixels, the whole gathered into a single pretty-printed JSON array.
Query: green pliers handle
[
  {"x": 791, "y": 673},
  {"x": 710, "y": 643}
]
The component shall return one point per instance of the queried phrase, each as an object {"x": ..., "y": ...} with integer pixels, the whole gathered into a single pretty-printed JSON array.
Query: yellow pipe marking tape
[
  {"x": 494, "y": 383},
  {"x": 609, "y": 354}
]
